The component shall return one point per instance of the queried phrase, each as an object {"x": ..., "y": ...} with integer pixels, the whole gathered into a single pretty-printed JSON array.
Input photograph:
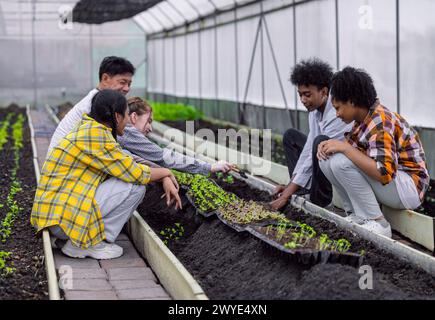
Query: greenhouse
[{"x": 223, "y": 150}]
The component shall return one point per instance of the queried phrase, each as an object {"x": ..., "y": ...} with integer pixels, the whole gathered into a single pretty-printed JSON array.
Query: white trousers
[
  {"x": 117, "y": 201},
  {"x": 361, "y": 194}
]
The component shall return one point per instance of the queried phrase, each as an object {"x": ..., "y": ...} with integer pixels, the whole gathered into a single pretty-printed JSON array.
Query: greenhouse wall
[
  {"x": 239, "y": 61},
  {"x": 46, "y": 62}
]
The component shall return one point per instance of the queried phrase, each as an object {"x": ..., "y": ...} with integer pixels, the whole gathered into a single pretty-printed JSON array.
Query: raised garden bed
[
  {"x": 276, "y": 144},
  {"x": 22, "y": 273},
  {"x": 232, "y": 265}
]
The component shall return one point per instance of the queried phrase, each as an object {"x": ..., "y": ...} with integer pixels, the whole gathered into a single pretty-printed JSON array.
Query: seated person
[
  {"x": 89, "y": 187},
  {"x": 135, "y": 141},
  {"x": 382, "y": 161}
]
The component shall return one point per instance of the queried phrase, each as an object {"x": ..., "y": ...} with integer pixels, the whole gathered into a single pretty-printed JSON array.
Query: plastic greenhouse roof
[{"x": 169, "y": 14}]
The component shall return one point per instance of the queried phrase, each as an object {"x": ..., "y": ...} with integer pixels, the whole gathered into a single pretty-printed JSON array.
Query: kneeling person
[{"x": 312, "y": 78}]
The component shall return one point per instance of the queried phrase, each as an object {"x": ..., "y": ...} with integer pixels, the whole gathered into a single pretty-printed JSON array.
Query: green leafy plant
[
  {"x": 342, "y": 245},
  {"x": 172, "y": 233},
  {"x": 207, "y": 195},
  {"x": 4, "y": 126},
  {"x": 4, "y": 269},
  {"x": 174, "y": 112},
  {"x": 183, "y": 178},
  {"x": 223, "y": 177},
  {"x": 324, "y": 242}
]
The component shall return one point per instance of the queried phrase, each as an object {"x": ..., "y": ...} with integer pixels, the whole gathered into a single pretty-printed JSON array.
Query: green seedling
[
  {"x": 4, "y": 269},
  {"x": 172, "y": 233},
  {"x": 291, "y": 245}
]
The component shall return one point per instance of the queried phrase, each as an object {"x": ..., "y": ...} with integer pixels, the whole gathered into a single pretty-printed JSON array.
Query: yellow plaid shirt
[{"x": 69, "y": 179}]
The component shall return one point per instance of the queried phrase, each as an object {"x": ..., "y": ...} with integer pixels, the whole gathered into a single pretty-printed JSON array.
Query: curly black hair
[
  {"x": 312, "y": 72},
  {"x": 354, "y": 85}
]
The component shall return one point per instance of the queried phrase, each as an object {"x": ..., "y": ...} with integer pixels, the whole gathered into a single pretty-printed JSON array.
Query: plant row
[
  {"x": 4, "y": 127},
  {"x": 13, "y": 209}
]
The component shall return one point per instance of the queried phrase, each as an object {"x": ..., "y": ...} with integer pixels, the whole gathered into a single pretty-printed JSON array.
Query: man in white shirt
[
  {"x": 312, "y": 78},
  {"x": 116, "y": 74}
]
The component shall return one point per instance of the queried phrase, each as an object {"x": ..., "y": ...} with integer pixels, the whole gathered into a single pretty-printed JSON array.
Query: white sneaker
[
  {"x": 376, "y": 227},
  {"x": 101, "y": 251}
]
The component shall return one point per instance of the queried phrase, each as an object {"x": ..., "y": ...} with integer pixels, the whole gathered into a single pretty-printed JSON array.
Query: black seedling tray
[
  {"x": 204, "y": 214},
  {"x": 310, "y": 256},
  {"x": 236, "y": 227}
]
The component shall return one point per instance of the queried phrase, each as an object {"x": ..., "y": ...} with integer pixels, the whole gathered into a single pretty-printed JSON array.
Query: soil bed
[
  {"x": 231, "y": 265},
  {"x": 28, "y": 281}
]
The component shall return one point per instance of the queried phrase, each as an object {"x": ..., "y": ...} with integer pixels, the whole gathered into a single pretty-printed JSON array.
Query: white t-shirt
[{"x": 72, "y": 119}]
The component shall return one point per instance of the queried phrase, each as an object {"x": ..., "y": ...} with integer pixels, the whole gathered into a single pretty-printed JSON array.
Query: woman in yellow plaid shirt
[{"x": 89, "y": 186}]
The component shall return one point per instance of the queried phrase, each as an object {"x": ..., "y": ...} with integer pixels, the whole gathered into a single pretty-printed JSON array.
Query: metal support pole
[
  {"x": 216, "y": 70},
  {"x": 147, "y": 66},
  {"x": 295, "y": 61},
  {"x": 236, "y": 47},
  {"x": 163, "y": 68},
  {"x": 174, "y": 67},
  {"x": 186, "y": 68},
  {"x": 35, "y": 80},
  {"x": 200, "y": 69},
  {"x": 398, "y": 55},
  {"x": 91, "y": 57},
  {"x": 337, "y": 33},
  {"x": 275, "y": 63},
  {"x": 263, "y": 90},
  {"x": 251, "y": 65}
]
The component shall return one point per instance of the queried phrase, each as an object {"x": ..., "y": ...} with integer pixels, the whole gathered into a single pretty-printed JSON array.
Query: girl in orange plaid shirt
[{"x": 382, "y": 160}]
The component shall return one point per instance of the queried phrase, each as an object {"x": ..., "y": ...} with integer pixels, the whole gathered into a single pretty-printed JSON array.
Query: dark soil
[
  {"x": 428, "y": 206},
  {"x": 29, "y": 281},
  {"x": 231, "y": 265},
  {"x": 276, "y": 146}
]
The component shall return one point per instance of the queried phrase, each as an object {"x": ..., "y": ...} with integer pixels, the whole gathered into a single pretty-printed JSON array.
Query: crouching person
[
  {"x": 89, "y": 187},
  {"x": 382, "y": 160},
  {"x": 313, "y": 79}
]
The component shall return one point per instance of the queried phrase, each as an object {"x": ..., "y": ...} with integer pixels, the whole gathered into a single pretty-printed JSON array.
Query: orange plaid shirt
[{"x": 386, "y": 137}]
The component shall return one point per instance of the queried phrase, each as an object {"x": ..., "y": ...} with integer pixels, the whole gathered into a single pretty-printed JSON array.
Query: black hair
[
  {"x": 104, "y": 106},
  {"x": 355, "y": 86},
  {"x": 114, "y": 66},
  {"x": 312, "y": 72}
]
